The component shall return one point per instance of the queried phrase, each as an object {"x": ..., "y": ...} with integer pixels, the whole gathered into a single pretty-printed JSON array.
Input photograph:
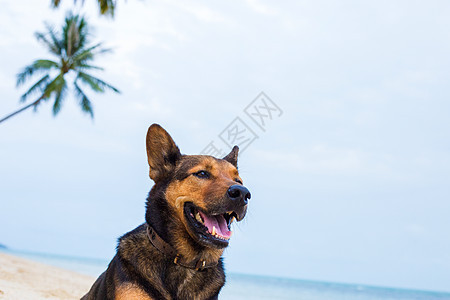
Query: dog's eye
[
  {"x": 238, "y": 181},
  {"x": 202, "y": 174}
]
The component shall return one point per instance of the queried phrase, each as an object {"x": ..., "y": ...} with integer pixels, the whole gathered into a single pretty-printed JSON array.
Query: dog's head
[{"x": 204, "y": 194}]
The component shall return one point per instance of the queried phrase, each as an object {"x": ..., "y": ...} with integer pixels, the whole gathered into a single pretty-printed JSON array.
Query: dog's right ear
[
  {"x": 232, "y": 157},
  {"x": 162, "y": 153}
]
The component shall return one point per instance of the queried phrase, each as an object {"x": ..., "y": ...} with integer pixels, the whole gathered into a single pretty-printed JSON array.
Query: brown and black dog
[{"x": 176, "y": 253}]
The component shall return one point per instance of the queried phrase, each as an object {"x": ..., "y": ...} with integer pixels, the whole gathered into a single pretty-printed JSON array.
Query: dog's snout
[{"x": 239, "y": 193}]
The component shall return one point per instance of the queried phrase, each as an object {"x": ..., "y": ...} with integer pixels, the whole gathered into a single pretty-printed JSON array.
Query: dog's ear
[
  {"x": 232, "y": 156},
  {"x": 162, "y": 153}
]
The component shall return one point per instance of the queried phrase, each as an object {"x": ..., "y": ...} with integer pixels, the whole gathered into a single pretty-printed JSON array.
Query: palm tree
[
  {"x": 107, "y": 7},
  {"x": 74, "y": 57}
]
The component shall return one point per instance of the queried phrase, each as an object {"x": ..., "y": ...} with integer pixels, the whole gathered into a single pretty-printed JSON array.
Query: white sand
[{"x": 22, "y": 279}]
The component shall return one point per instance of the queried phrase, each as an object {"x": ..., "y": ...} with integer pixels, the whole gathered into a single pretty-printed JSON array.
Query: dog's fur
[{"x": 141, "y": 271}]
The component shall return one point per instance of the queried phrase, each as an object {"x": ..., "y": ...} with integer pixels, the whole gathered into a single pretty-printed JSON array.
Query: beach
[
  {"x": 22, "y": 279},
  {"x": 27, "y": 275}
]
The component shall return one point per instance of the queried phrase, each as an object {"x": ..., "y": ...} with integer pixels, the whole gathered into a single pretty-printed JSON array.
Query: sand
[{"x": 22, "y": 279}]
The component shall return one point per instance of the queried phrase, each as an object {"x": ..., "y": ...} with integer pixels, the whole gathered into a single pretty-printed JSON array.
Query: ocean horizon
[{"x": 248, "y": 286}]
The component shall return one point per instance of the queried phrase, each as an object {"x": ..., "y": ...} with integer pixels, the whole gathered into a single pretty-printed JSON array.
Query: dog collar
[{"x": 172, "y": 254}]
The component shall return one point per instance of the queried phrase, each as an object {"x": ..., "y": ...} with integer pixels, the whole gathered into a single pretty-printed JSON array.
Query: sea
[{"x": 244, "y": 286}]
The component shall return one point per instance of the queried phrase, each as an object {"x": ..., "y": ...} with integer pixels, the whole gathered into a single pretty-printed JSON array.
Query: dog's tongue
[{"x": 218, "y": 222}]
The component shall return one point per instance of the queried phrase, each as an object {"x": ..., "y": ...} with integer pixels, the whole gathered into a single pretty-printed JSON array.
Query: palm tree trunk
[{"x": 23, "y": 108}]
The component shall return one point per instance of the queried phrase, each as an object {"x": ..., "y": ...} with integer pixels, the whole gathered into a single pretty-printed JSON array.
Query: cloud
[
  {"x": 262, "y": 8},
  {"x": 318, "y": 159},
  {"x": 202, "y": 13},
  {"x": 325, "y": 160}
]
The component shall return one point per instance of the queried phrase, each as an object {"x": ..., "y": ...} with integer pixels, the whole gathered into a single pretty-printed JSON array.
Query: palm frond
[
  {"x": 59, "y": 97},
  {"x": 87, "y": 54},
  {"x": 75, "y": 33},
  {"x": 38, "y": 86},
  {"x": 53, "y": 43},
  {"x": 85, "y": 103},
  {"x": 83, "y": 30},
  {"x": 37, "y": 65},
  {"x": 54, "y": 86},
  {"x": 95, "y": 83},
  {"x": 107, "y": 7},
  {"x": 27, "y": 72},
  {"x": 55, "y": 39},
  {"x": 89, "y": 67},
  {"x": 72, "y": 39},
  {"x": 102, "y": 51},
  {"x": 45, "y": 64},
  {"x": 55, "y": 3}
]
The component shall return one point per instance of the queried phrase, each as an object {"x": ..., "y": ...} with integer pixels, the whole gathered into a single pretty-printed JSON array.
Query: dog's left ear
[
  {"x": 232, "y": 156},
  {"x": 162, "y": 152}
]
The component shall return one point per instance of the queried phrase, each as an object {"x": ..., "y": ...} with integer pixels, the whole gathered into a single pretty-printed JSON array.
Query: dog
[{"x": 177, "y": 252}]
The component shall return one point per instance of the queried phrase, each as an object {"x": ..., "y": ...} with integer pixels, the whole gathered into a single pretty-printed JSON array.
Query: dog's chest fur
[{"x": 137, "y": 256}]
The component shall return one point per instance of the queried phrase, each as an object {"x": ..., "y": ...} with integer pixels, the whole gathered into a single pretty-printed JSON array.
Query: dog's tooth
[
  {"x": 213, "y": 232},
  {"x": 232, "y": 219},
  {"x": 198, "y": 217}
]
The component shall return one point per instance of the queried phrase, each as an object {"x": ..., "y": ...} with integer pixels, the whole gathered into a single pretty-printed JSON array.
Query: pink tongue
[{"x": 218, "y": 222}]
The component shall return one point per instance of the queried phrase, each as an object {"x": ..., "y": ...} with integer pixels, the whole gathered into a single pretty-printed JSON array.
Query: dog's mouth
[{"x": 211, "y": 229}]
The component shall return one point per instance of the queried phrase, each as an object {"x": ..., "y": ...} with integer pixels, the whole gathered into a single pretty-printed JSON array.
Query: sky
[{"x": 349, "y": 178}]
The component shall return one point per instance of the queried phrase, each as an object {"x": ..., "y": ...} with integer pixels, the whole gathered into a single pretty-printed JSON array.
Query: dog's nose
[{"x": 239, "y": 193}]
